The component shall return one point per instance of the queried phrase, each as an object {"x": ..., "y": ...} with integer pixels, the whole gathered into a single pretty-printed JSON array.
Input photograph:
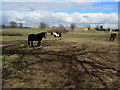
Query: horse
[
  {"x": 36, "y": 37},
  {"x": 112, "y": 36},
  {"x": 56, "y": 34}
]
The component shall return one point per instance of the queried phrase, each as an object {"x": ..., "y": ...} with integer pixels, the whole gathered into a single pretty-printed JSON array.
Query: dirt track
[{"x": 60, "y": 64}]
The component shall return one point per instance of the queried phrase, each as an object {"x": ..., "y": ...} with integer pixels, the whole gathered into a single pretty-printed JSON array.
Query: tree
[
  {"x": 43, "y": 25},
  {"x": 101, "y": 27},
  {"x": 61, "y": 26},
  {"x": 97, "y": 28},
  {"x": 89, "y": 28},
  {"x": 13, "y": 24},
  {"x": 20, "y": 25},
  {"x": 72, "y": 26},
  {"x": 108, "y": 29},
  {"x": 53, "y": 26},
  {"x": 3, "y": 26}
]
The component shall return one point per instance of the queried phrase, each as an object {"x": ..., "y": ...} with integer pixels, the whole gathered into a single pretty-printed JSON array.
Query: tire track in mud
[{"x": 69, "y": 60}]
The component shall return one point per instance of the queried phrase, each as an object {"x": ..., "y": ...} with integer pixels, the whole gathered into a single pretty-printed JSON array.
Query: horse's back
[
  {"x": 42, "y": 33},
  {"x": 31, "y": 36},
  {"x": 113, "y": 34}
]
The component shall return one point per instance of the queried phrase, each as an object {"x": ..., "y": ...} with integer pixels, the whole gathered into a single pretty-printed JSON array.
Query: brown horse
[{"x": 112, "y": 36}]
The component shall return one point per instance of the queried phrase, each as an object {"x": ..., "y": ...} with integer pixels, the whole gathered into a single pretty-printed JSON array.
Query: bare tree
[
  {"x": 20, "y": 25},
  {"x": 2, "y": 26},
  {"x": 97, "y": 28},
  {"x": 89, "y": 28},
  {"x": 108, "y": 29},
  {"x": 101, "y": 27},
  {"x": 13, "y": 24},
  {"x": 61, "y": 26},
  {"x": 43, "y": 25},
  {"x": 72, "y": 26}
]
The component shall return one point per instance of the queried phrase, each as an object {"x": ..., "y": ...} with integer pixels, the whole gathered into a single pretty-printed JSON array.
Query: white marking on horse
[{"x": 57, "y": 35}]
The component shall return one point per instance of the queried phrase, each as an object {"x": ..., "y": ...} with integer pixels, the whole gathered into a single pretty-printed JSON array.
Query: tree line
[
  {"x": 42, "y": 25},
  {"x": 100, "y": 28},
  {"x": 13, "y": 24}
]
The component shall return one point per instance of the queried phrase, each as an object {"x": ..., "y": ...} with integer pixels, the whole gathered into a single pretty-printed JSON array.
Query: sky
[{"x": 54, "y": 12}]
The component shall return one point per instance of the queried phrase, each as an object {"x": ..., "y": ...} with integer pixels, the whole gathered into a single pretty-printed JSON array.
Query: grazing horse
[
  {"x": 56, "y": 34},
  {"x": 36, "y": 37},
  {"x": 112, "y": 36}
]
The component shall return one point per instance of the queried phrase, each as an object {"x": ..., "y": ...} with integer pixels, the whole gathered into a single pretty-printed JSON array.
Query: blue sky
[
  {"x": 4, "y": 9},
  {"x": 97, "y": 7},
  {"x": 108, "y": 7}
]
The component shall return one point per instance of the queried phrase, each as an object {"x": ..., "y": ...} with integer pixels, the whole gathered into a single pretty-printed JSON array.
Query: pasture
[{"x": 82, "y": 59}]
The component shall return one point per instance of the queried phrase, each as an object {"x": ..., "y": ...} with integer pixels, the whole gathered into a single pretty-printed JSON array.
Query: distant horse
[
  {"x": 56, "y": 34},
  {"x": 112, "y": 36},
  {"x": 36, "y": 37}
]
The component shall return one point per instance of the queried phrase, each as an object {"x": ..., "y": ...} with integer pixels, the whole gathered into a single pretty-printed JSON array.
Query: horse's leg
[
  {"x": 113, "y": 38},
  {"x": 110, "y": 38},
  {"x": 28, "y": 42},
  {"x": 39, "y": 42},
  {"x": 32, "y": 43},
  {"x": 60, "y": 38},
  {"x": 55, "y": 36}
]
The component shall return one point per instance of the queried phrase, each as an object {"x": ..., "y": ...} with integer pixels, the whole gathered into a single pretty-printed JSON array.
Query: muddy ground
[{"x": 59, "y": 64}]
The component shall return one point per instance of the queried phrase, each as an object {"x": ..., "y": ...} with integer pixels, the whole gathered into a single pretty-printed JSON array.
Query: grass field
[
  {"x": 82, "y": 59},
  {"x": 77, "y": 35}
]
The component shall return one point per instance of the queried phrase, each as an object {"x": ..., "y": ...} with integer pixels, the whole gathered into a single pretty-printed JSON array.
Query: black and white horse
[
  {"x": 36, "y": 37},
  {"x": 56, "y": 34}
]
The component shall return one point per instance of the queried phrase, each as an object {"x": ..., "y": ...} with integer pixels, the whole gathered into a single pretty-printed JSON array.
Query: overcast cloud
[
  {"x": 33, "y": 18},
  {"x": 31, "y": 14}
]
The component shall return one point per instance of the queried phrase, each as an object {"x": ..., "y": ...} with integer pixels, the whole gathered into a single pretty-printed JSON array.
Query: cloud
[{"x": 33, "y": 18}]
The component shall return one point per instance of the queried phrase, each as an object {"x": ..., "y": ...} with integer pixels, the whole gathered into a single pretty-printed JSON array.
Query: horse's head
[
  {"x": 51, "y": 33},
  {"x": 45, "y": 33}
]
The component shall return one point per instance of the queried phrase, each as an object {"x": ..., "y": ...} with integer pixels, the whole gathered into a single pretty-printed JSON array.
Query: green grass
[
  {"x": 18, "y": 34},
  {"x": 72, "y": 36},
  {"x": 21, "y": 31},
  {"x": 12, "y": 38}
]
